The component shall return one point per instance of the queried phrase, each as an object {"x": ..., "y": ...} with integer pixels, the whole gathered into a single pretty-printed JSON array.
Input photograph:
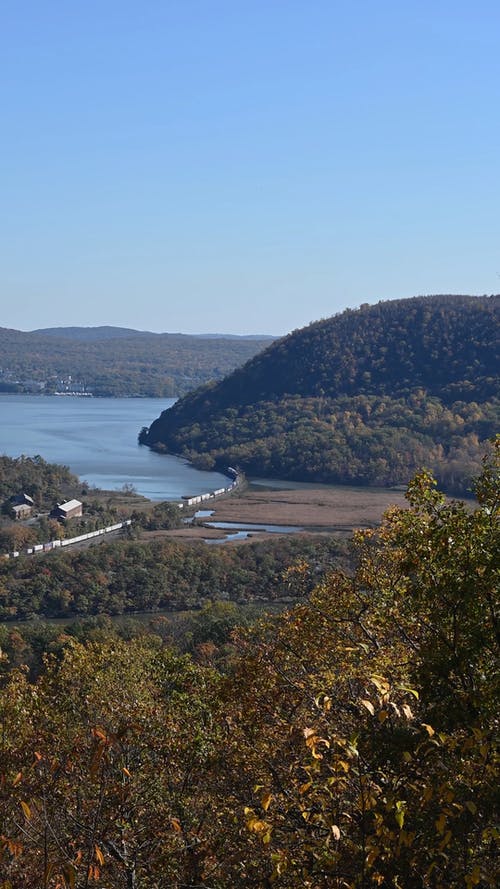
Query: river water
[{"x": 97, "y": 439}]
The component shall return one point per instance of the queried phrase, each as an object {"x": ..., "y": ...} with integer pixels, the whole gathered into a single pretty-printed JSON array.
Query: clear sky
[{"x": 244, "y": 166}]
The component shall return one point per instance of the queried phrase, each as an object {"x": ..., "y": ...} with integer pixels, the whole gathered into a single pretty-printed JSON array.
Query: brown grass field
[
  {"x": 315, "y": 509},
  {"x": 322, "y": 510}
]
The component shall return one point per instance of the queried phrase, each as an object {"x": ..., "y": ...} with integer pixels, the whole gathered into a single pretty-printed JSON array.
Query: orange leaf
[
  {"x": 70, "y": 875},
  {"x": 26, "y": 809},
  {"x": 266, "y": 801},
  {"x": 99, "y": 732}
]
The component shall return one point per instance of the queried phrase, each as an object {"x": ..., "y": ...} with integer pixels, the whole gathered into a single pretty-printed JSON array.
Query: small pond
[
  {"x": 239, "y": 535},
  {"x": 250, "y": 526}
]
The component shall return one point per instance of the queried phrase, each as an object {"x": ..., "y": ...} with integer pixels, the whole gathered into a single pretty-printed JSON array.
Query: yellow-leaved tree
[
  {"x": 367, "y": 717},
  {"x": 349, "y": 744}
]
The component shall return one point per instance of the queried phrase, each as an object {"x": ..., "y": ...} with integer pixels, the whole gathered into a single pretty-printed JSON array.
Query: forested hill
[
  {"x": 114, "y": 361},
  {"x": 105, "y": 332},
  {"x": 365, "y": 397},
  {"x": 90, "y": 334}
]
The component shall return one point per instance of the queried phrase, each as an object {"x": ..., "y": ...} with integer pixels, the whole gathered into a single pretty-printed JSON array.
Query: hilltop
[
  {"x": 365, "y": 397},
  {"x": 107, "y": 332}
]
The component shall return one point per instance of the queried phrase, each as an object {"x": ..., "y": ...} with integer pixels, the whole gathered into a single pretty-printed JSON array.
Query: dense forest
[
  {"x": 345, "y": 744},
  {"x": 115, "y": 362},
  {"x": 131, "y": 576},
  {"x": 364, "y": 397}
]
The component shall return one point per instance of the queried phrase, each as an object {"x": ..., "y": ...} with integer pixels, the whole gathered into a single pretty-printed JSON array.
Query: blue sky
[{"x": 244, "y": 167}]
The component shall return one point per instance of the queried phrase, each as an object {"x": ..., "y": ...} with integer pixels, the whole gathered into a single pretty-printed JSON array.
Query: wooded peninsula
[{"x": 366, "y": 397}]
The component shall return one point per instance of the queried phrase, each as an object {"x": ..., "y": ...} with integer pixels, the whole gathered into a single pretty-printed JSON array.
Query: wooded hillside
[
  {"x": 116, "y": 362},
  {"x": 364, "y": 397}
]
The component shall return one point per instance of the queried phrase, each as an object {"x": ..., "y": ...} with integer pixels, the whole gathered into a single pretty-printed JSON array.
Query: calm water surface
[
  {"x": 253, "y": 526},
  {"x": 97, "y": 439}
]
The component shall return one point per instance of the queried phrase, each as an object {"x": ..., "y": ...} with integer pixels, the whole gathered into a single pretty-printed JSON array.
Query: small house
[
  {"x": 69, "y": 510},
  {"x": 20, "y": 511},
  {"x": 20, "y": 506}
]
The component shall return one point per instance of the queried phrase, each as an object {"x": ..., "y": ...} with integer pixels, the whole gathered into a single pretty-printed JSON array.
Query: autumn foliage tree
[
  {"x": 370, "y": 712},
  {"x": 101, "y": 761},
  {"x": 350, "y": 742}
]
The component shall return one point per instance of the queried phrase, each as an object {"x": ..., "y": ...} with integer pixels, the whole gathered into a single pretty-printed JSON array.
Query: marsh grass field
[
  {"x": 324, "y": 507},
  {"x": 316, "y": 510}
]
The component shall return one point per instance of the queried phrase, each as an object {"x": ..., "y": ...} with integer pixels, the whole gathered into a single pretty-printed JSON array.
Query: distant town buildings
[{"x": 11, "y": 382}]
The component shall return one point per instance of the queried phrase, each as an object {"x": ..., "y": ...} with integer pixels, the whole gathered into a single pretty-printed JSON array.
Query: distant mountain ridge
[
  {"x": 90, "y": 334},
  {"x": 113, "y": 361},
  {"x": 365, "y": 397},
  {"x": 106, "y": 332}
]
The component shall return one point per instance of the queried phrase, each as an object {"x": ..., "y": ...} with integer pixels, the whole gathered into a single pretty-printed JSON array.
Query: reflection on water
[
  {"x": 200, "y": 514},
  {"x": 240, "y": 535},
  {"x": 251, "y": 526}
]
